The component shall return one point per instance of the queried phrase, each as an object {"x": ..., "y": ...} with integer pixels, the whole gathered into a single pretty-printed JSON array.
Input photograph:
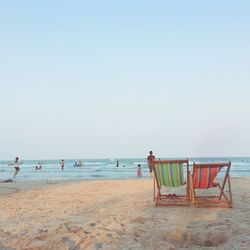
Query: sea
[{"x": 102, "y": 169}]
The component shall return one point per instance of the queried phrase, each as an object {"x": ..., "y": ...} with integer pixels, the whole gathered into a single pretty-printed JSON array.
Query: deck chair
[
  {"x": 203, "y": 178},
  {"x": 170, "y": 174}
]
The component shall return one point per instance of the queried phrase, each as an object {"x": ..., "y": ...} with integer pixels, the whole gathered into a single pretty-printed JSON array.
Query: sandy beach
[{"x": 117, "y": 214}]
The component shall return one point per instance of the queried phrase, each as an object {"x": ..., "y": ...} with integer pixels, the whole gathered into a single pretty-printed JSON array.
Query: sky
[{"x": 115, "y": 79}]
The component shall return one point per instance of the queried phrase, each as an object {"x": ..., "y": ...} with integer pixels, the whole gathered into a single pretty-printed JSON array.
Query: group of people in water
[
  {"x": 39, "y": 165},
  {"x": 80, "y": 164}
]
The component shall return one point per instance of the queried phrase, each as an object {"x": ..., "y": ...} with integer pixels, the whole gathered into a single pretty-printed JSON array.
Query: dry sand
[{"x": 116, "y": 215}]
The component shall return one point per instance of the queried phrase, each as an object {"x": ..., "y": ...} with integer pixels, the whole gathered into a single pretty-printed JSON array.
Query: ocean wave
[{"x": 97, "y": 175}]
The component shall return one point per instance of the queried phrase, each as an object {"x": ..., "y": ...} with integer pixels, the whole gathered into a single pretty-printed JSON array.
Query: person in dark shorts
[
  {"x": 150, "y": 160},
  {"x": 16, "y": 166},
  {"x": 62, "y": 164}
]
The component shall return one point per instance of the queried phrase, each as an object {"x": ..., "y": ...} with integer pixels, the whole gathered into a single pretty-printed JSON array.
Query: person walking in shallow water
[
  {"x": 16, "y": 166},
  {"x": 62, "y": 164},
  {"x": 150, "y": 160}
]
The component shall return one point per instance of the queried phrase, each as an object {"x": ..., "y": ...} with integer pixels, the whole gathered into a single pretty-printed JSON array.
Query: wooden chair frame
[
  {"x": 221, "y": 200},
  {"x": 174, "y": 200}
]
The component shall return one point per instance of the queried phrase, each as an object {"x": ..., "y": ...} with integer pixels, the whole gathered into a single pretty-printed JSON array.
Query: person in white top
[{"x": 16, "y": 166}]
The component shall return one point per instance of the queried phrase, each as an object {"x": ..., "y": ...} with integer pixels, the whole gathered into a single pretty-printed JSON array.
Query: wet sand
[
  {"x": 17, "y": 186},
  {"x": 116, "y": 214}
]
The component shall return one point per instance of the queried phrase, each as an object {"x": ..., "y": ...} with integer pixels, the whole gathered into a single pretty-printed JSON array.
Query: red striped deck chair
[
  {"x": 204, "y": 177},
  {"x": 170, "y": 174}
]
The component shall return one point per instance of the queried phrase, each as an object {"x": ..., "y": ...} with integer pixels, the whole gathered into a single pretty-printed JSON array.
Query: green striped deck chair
[
  {"x": 203, "y": 178},
  {"x": 170, "y": 174}
]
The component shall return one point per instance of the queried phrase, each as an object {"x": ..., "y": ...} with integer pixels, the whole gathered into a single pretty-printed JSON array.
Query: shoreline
[
  {"x": 17, "y": 186},
  {"x": 21, "y": 185},
  {"x": 117, "y": 214}
]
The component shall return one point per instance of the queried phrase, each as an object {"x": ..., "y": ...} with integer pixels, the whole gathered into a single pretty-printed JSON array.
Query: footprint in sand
[
  {"x": 196, "y": 238},
  {"x": 140, "y": 220}
]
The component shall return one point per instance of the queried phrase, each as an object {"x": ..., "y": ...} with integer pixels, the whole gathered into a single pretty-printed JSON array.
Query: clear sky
[{"x": 112, "y": 79}]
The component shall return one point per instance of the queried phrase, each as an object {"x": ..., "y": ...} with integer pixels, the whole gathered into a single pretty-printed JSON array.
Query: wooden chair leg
[
  {"x": 192, "y": 192},
  {"x": 222, "y": 193},
  {"x": 193, "y": 197},
  {"x": 156, "y": 201},
  {"x": 154, "y": 187},
  {"x": 188, "y": 193},
  {"x": 229, "y": 190}
]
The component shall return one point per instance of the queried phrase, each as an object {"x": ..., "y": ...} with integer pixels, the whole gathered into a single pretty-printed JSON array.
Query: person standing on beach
[
  {"x": 117, "y": 164},
  {"x": 150, "y": 160},
  {"x": 62, "y": 164},
  {"x": 16, "y": 166}
]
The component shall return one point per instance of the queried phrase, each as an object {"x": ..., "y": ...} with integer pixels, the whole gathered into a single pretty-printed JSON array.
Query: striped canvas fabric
[
  {"x": 169, "y": 174},
  {"x": 204, "y": 176}
]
